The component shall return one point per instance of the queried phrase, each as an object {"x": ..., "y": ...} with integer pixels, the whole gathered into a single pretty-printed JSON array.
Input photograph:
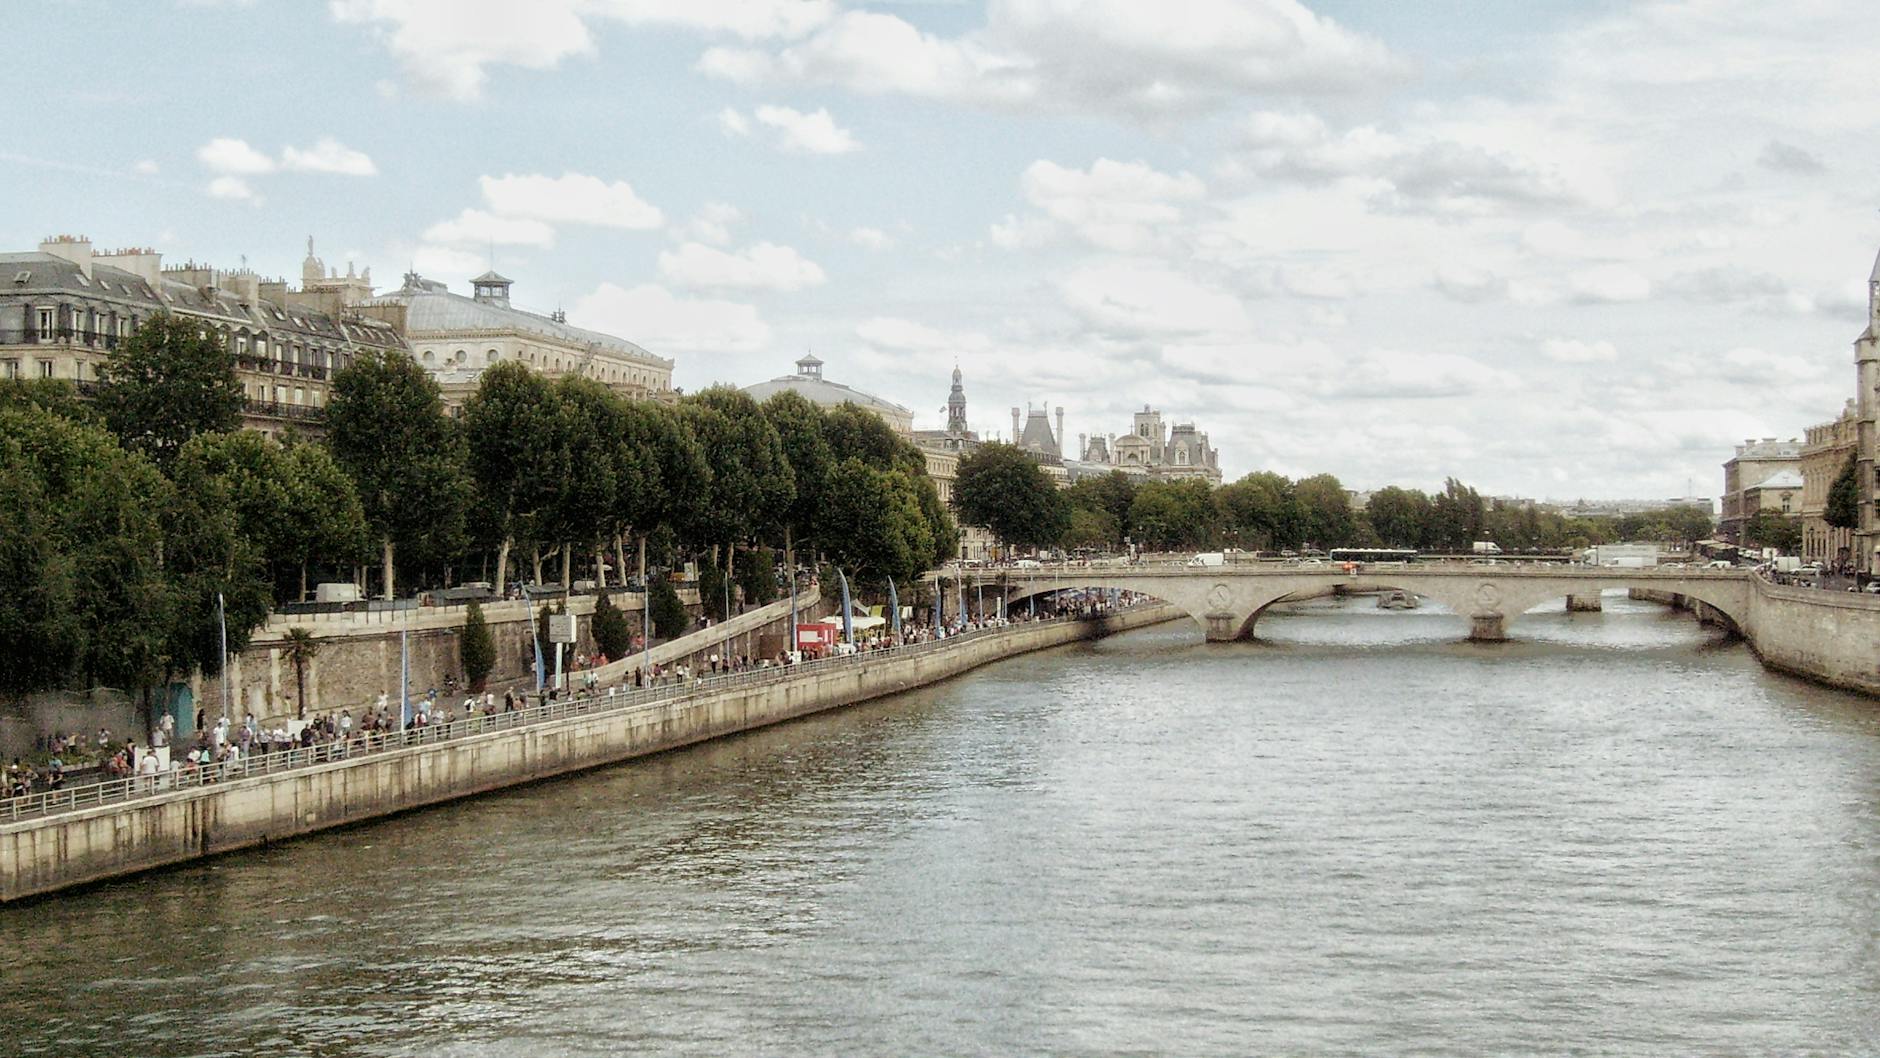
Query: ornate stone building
[
  {"x": 1826, "y": 448},
  {"x": 1765, "y": 473},
  {"x": 1158, "y": 451},
  {"x": 456, "y": 337},
  {"x": 1867, "y": 431},
  {"x": 64, "y": 309},
  {"x": 810, "y": 383}
]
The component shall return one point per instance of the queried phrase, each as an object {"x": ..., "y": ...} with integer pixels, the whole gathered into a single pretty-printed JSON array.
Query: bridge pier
[
  {"x": 1487, "y": 628},
  {"x": 1227, "y": 627},
  {"x": 1589, "y": 603}
]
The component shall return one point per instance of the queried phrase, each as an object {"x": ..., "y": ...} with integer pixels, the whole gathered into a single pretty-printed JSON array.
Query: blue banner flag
[{"x": 894, "y": 604}]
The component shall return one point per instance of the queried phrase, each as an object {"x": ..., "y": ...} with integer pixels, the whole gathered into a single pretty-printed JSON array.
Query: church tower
[
  {"x": 956, "y": 405},
  {"x": 1867, "y": 444}
]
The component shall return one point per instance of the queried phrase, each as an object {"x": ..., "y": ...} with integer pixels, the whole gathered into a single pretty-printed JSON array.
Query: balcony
[{"x": 274, "y": 409}]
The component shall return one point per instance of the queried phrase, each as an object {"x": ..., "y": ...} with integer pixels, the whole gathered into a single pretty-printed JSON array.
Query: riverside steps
[{"x": 50, "y": 842}]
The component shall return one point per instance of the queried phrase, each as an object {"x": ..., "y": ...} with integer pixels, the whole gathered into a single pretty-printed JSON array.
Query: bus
[{"x": 1372, "y": 554}]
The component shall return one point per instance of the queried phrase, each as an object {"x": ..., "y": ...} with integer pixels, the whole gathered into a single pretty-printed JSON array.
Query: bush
[
  {"x": 477, "y": 648},
  {"x": 669, "y": 617},
  {"x": 611, "y": 634}
]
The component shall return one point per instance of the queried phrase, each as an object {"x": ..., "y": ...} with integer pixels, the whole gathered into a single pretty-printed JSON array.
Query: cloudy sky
[{"x": 1556, "y": 247}]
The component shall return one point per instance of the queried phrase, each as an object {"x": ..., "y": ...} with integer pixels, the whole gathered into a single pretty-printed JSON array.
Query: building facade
[
  {"x": 1866, "y": 544},
  {"x": 1158, "y": 450},
  {"x": 808, "y": 381},
  {"x": 1826, "y": 448},
  {"x": 1765, "y": 473},
  {"x": 65, "y": 308},
  {"x": 456, "y": 338}
]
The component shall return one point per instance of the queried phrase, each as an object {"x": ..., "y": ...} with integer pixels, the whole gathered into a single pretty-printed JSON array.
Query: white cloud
[
  {"x": 734, "y": 123},
  {"x": 1136, "y": 299},
  {"x": 146, "y": 167},
  {"x": 712, "y": 225},
  {"x": 231, "y": 187},
  {"x": 664, "y": 323},
  {"x": 233, "y": 157},
  {"x": 1112, "y": 205},
  {"x": 328, "y": 156},
  {"x": 475, "y": 227},
  {"x": 871, "y": 238},
  {"x": 572, "y": 198},
  {"x": 1571, "y": 351},
  {"x": 448, "y": 262},
  {"x": 807, "y": 133},
  {"x": 765, "y": 266},
  {"x": 1123, "y": 57},
  {"x": 1610, "y": 283}
]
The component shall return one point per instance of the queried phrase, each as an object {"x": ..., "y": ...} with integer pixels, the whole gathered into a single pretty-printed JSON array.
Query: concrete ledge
[{"x": 57, "y": 852}]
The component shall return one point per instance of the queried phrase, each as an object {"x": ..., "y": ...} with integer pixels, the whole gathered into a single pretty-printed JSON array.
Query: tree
[
  {"x": 1173, "y": 515},
  {"x": 386, "y": 426},
  {"x": 669, "y": 617},
  {"x": 581, "y": 511},
  {"x": 1399, "y": 517},
  {"x": 40, "y": 632},
  {"x": 1843, "y": 508},
  {"x": 800, "y": 429},
  {"x": 214, "y": 576},
  {"x": 756, "y": 575},
  {"x": 1457, "y": 517},
  {"x": 751, "y": 484},
  {"x": 1000, "y": 487},
  {"x": 168, "y": 382},
  {"x": 1770, "y": 527},
  {"x": 713, "y": 592},
  {"x": 300, "y": 648},
  {"x": 476, "y": 648},
  {"x": 1092, "y": 529},
  {"x": 611, "y": 634},
  {"x": 1108, "y": 496},
  {"x": 1326, "y": 508},
  {"x": 324, "y": 525},
  {"x": 876, "y": 529},
  {"x": 1261, "y": 509},
  {"x": 512, "y": 441}
]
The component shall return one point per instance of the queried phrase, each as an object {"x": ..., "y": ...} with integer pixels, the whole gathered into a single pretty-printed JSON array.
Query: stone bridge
[{"x": 1227, "y": 600}]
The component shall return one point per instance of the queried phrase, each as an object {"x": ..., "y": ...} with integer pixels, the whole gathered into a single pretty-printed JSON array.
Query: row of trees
[
  {"x": 1003, "y": 488},
  {"x": 124, "y": 519}
]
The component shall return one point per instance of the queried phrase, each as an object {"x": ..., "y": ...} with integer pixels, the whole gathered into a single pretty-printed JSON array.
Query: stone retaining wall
[
  {"x": 1828, "y": 637},
  {"x": 45, "y": 855}
]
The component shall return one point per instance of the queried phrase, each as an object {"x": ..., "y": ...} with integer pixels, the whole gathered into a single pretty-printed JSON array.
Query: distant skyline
[{"x": 1553, "y": 248}]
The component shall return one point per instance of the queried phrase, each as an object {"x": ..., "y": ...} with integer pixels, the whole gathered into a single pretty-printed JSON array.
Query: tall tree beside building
[
  {"x": 751, "y": 485},
  {"x": 512, "y": 440},
  {"x": 582, "y": 510},
  {"x": 166, "y": 383},
  {"x": 476, "y": 648},
  {"x": 1000, "y": 487},
  {"x": 669, "y": 617},
  {"x": 1174, "y": 515},
  {"x": 1327, "y": 510},
  {"x": 1770, "y": 527},
  {"x": 1843, "y": 507},
  {"x": 1457, "y": 517},
  {"x": 300, "y": 648},
  {"x": 325, "y": 525},
  {"x": 612, "y": 636},
  {"x": 1262, "y": 511},
  {"x": 800, "y": 429},
  {"x": 40, "y": 632},
  {"x": 387, "y": 428},
  {"x": 876, "y": 528},
  {"x": 1400, "y": 517},
  {"x": 1109, "y": 497}
]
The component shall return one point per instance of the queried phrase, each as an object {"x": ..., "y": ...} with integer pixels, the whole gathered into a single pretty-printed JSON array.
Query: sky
[{"x": 1555, "y": 249}]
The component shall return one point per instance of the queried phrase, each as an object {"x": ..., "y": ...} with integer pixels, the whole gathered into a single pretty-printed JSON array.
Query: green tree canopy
[
  {"x": 1400, "y": 517},
  {"x": 874, "y": 527},
  {"x": 514, "y": 454},
  {"x": 1109, "y": 496},
  {"x": 1000, "y": 487},
  {"x": 1843, "y": 507},
  {"x": 386, "y": 427},
  {"x": 751, "y": 486},
  {"x": 1174, "y": 515},
  {"x": 800, "y": 428},
  {"x": 166, "y": 383},
  {"x": 1327, "y": 510},
  {"x": 1770, "y": 527}
]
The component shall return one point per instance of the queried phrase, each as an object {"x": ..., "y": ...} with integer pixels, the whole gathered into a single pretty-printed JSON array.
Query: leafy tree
[
  {"x": 1262, "y": 511},
  {"x": 301, "y": 648},
  {"x": 1000, "y": 487},
  {"x": 1173, "y": 515},
  {"x": 1843, "y": 508},
  {"x": 476, "y": 648},
  {"x": 324, "y": 525},
  {"x": 57, "y": 396},
  {"x": 1092, "y": 528},
  {"x": 713, "y": 591},
  {"x": 876, "y": 527},
  {"x": 1457, "y": 517},
  {"x": 670, "y": 619},
  {"x": 386, "y": 426},
  {"x": 168, "y": 382},
  {"x": 206, "y": 555},
  {"x": 751, "y": 485},
  {"x": 1400, "y": 517},
  {"x": 942, "y": 531},
  {"x": 40, "y": 631},
  {"x": 582, "y": 510},
  {"x": 1770, "y": 527},
  {"x": 800, "y": 429},
  {"x": 1327, "y": 510},
  {"x": 855, "y": 432},
  {"x": 611, "y": 634},
  {"x": 250, "y": 472},
  {"x": 757, "y": 577},
  {"x": 514, "y": 454},
  {"x": 1108, "y": 496}
]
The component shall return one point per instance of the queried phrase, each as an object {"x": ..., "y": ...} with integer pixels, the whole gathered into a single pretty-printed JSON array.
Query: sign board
[
  {"x": 561, "y": 628},
  {"x": 816, "y": 635}
]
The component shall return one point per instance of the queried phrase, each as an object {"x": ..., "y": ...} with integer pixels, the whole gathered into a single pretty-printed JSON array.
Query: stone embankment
[
  {"x": 60, "y": 849},
  {"x": 1825, "y": 636}
]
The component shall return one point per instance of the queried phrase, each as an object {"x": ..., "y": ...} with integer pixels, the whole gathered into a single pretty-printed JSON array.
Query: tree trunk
[
  {"x": 538, "y": 564},
  {"x": 300, "y": 684},
  {"x": 620, "y": 558},
  {"x": 502, "y": 565},
  {"x": 600, "y": 566},
  {"x": 789, "y": 566},
  {"x": 303, "y": 580},
  {"x": 567, "y": 566},
  {"x": 389, "y": 581}
]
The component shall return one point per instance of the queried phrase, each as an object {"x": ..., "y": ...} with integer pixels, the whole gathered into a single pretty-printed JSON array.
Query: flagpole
[{"x": 221, "y": 614}]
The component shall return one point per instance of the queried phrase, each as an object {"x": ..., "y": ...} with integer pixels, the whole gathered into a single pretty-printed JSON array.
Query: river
[{"x": 1359, "y": 836}]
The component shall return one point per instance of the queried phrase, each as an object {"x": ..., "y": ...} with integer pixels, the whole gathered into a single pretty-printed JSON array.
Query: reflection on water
[{"x": 1359, "y": 835}]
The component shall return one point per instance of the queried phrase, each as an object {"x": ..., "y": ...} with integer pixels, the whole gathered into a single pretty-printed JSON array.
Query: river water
[{"x": 1360, "y": 836}]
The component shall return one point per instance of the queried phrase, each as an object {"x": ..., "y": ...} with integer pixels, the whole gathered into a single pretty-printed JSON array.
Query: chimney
[
  {"x": 1060, "y": 430},
  {"x": 73, "y": 248},
  {"x": 142, "y": 262},
  {"x": 1082, "y": 446},
  {"x": 1014, "y": 424}
]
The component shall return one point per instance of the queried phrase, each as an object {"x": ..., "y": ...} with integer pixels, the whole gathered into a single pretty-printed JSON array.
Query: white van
[{"x": 1208, "y": 558}]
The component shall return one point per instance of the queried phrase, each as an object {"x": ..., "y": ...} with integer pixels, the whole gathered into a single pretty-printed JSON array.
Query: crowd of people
[{"x": 223, "y": 747}]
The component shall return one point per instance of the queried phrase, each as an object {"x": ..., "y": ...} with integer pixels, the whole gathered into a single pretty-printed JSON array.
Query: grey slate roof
[
  {"x": 430, "y": 311},
  {"x": 821, "y": 392}
]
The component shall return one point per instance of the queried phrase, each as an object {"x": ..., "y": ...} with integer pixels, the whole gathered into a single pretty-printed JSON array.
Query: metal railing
[{"x": 361, "y": 744}]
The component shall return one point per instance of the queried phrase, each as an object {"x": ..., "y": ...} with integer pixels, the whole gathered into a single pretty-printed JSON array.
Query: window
[
  {"x": 45, "y": 369},
  {"x": 430, "y": 357},
  {"x": 494, "y": 356},
  {"x": 12, "y": 369},
  {"x": 48, "y": 322}
]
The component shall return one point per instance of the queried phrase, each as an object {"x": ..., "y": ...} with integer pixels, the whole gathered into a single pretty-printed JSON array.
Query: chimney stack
[
  {"x": 1015, "y": 424},
  {"x": 1060, "y": 430}
]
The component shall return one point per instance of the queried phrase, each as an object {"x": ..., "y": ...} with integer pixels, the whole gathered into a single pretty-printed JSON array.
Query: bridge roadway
[{"x": 1227, "y": 600}]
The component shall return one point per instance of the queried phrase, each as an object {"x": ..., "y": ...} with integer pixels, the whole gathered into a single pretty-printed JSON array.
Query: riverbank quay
[
  {"x": 68, "y": 845},
  {"x": 1831, "y": 638}
]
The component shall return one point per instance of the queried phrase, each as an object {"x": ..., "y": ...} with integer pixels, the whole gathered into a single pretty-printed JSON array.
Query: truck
[
  {"x": 1485, "y": 547},
  {"x": 337, "y": 591},
  {"x": 1785, "y": 563},
  {"x": 1208, "y": 558}
]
